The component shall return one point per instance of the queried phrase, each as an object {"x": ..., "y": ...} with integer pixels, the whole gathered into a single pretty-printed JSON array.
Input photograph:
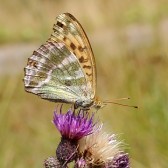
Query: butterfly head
[{"x": 98, "y": 104}]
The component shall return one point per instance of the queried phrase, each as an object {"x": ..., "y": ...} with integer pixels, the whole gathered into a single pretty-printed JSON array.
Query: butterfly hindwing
[
  {"x": 54, "y": 73},
  {"x": 63, "y": 69}
]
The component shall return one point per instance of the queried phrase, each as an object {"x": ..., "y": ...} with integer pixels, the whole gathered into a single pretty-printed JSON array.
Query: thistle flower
[
  {"x": 99, "y": 148},
  {"x": 72, "y": 126}
]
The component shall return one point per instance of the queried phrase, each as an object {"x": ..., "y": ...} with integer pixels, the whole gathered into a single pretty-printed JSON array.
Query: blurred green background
[{"x": 130, "y": 43}]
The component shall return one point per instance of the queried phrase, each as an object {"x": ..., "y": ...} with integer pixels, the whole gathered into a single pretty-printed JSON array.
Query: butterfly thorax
[
  {"x": 87, "y": 104},
  {"x": 83, "y": 104}
]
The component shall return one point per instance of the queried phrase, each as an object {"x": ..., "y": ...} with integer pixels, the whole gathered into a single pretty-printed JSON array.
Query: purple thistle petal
[{"x": 72, "y": 125}]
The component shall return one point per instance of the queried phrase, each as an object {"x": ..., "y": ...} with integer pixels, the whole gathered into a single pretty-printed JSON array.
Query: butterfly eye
[{"x": 76, "y": 105}]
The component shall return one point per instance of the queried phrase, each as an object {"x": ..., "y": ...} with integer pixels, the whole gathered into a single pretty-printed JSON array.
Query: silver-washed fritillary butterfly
[{"x": 63, "y": 69}]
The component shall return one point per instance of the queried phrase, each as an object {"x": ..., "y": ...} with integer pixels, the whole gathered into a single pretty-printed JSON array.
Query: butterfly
[{"x": 63, "y": 69}]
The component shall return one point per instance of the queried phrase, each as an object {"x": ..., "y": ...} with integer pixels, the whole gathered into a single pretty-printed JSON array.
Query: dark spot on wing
[
  {"x": 89, "y": 74},
  {"x": 72, "y": 45},
  {"x": 87, "y": 66},
  {"x": 32, "y": 63},
  {"x": 29, "y": 61},
  {"x": 60, "y": 24},
  {"x": 64, "y": 39},
  {"x": 35, "y": 53},
  {"x": 82, "y": 60},
  {"x": 68, "y": 83},
  {"x": 50, "y": 44},
  {"x": 81, "y": 48}
]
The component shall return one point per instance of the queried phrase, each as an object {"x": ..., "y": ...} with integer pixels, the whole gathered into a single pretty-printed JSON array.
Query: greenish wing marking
[{"x": 54, "y": 73}]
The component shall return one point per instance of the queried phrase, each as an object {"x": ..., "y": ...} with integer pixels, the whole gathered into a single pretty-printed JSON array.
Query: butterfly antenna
[
  {"x": 118, "y": 99},
  {"x": 125, "y": 98}
]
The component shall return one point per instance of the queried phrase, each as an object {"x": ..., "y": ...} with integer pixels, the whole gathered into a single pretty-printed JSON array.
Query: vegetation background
[{"x": 130, "y": 43}]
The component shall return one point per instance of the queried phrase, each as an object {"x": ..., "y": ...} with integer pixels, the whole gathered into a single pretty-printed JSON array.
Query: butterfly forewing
[
  {"x": 68, "y": 30},
  {"x": 63, "y": 69}
]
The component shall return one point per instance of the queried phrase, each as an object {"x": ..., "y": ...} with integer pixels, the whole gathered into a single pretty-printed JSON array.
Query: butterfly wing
[
  {"x": 69, "y": 31},
  {"x": 56, "y": 71}
]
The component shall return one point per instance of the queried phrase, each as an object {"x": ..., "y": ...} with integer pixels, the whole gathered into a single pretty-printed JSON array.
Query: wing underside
[
  {"x": 63, "y": 69},
  {"x": 53, "y": 72}
]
